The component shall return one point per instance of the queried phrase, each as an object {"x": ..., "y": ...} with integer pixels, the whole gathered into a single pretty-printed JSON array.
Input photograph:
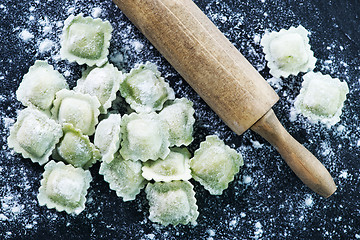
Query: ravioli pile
[
  {"x": 321, "y": 97},
  {"x": 70, "y": 130}
]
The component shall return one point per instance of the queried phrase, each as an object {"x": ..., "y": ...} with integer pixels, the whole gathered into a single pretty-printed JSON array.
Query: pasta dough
[
  {"x": 102, "y": 83},
  {"x": 64, "y": 187},
  {"x": 39, "y": 86},
  {"x": 145, "y": 90},
  {"x": 321, "y": 98},
  {"x": 85, "y": 40},
  {"x": 179, "y": 115},
  {"x": 34, "y": 135},
  {"x": 144, "y": 136},
  {"x": 288, "y": 52},
  {"x": 123, "y": 176},
  {"x": 172, "y": 203},
  {"x": 81, "y": 110},
  {"x": 215, "y": 164},
  {"x": 76, "y": 148},
  {"x": 174, "y": 167},
  {"x": 107, "y": 137}
]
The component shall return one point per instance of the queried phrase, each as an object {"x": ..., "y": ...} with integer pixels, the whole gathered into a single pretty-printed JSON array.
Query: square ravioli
[
  {"x": 145, "y": 90},
  {"x": 172, "y": 203},
  {"x": 144, "y": 136},
  {"x": 85, "y": 40},
  {"x": 101, "y": 82},
  {"x": 34, "y": 135},
  {"x": 76, "y": 148},
  {"x": 215, "y": 164},
  {"x": 321, "y": 98},
  {"x": 174, "y": 167},
  {"x": 288, "y": 52},
  {"x": 123, "y": 176},
  {"x": 39, "y": 86},
  {"x": 81, "y": 110},
  {"x": 64, "y": 187}
]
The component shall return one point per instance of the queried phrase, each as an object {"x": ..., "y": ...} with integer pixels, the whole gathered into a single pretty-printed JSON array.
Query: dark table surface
[{"x": 266, "y": 200}]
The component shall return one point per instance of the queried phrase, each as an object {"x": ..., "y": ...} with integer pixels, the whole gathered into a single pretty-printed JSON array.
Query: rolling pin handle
[{"x": 305, "y": 165}]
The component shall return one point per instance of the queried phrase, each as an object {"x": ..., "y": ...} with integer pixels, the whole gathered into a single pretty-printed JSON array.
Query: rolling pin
[{"x": 223, "y": 78}]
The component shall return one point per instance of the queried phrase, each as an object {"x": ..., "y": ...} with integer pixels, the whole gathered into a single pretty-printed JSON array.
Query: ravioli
[
  {"x": 85, "y": 40},
  {"x": 101, "y": 82},
  {"x": 288, "y": 52},
  {"x": 179, "y": 115},
  {"x": 81, "y": 110},
  {"x": 64, "y": 187},
  {"x": 123, "y": 176},
  {"x": 145, "y": 90},
  {"x": 215, "y": 164},
  {"x": 34, "y": 135},
  {"x": 144, "y": 136},
  {"x": 107, "y": 136},
  {"x": 172, "y": 203},
  {"x": 76, "y": 148},
  {"x": 321, "y": 98},
  {"x": 39, "y": 86},
  {"x": 174, "y": 167}
]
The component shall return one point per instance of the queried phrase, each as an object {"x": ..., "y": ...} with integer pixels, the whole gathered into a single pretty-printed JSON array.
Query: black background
[{"x": 271, "y": 204}]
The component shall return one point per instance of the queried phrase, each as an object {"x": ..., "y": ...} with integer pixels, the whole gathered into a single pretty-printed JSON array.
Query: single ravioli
[
  {"x": 123, "y": 176},
  {"x": 172, "y": 203},
  {"x": 39, "y": 86},
  {"x": 76, "y": 148},
  {"x": 321, "y": 98},
  {"x": 34, "y": 135},
  {"x": 288, "y": 51},
  {"x": 64, "y": 187},
  {"x": 179, "y": 115},
  {"x": 101, "y": 82},
  {"x": 174, "y": 167},
  {"x": 85, "y": 40},
  {"x": 144, "y": 136},
  {"x": 144, "y": 88},
  {"x": 215, "y": 164},
  {"x": 81, "y": 110},
  {"x": 107, "y": 137}
]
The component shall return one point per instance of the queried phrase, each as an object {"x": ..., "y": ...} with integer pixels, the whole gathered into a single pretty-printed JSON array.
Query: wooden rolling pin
[{"x": 223, "y": 78}]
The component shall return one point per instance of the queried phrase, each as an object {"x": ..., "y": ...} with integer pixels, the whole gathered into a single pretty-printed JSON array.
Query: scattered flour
[
  {"x": 46, "y": 45},
  {"x": 25, "y": 35}
]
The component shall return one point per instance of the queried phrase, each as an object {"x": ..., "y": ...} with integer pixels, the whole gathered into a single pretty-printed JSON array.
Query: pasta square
[
  {"x": 172, "y": 203},
  {"x": 144, "y": 136},
  {"x": 39, "y": 86},
  {"x": 64, "y": 187},
  {"x": 85, "y": 40},
  {"x": 145, "y": 90},
  {"x": 321, "y": 98},
  {"x": 215, "y": 164},
  {"x": 123, "y": 176},
  {"x": 34, "y": 135}
]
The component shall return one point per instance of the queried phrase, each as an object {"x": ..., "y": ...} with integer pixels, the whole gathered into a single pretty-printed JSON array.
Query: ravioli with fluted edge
[
  {"x": 172, "y": 202},
  {"x": 123, "y": 176},
  {"x": 174, "y": 167},
  {"x": 76, "y": 148},
  {"x": 107, "y": 137},
  {"x": 321, "y": 98},
  {"x": 81, "y": 110},
  {"x": 34, "y": 135},
  {"x": 215, "y": 164},
  {"x": 64, "y": 187},
  {"x": 39, "y": 85},
  {"x": 102, "y": 82},
  {"x": 288, "y": 51},
  {"x": 144, "y": 137},
  {"x": 85, "y": 40},
  {"x": 144, "y": 89},
  {"x": 179, "y": 115}
]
